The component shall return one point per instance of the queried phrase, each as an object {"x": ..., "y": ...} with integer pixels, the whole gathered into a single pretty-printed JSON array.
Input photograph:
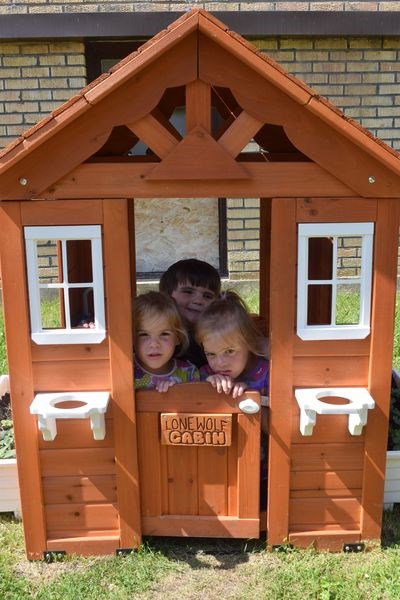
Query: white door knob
[{"x": 248, "y": 406}]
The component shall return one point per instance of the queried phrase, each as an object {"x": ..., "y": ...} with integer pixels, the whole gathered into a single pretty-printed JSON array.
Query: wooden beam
[
  {"x": 242, "y": 130},
  {"x": 198, "y": 105},
  {"x": 282, "y": 293},
  {"x": 117, "y": 180},
  {"x": 331, "y": 210},
  {"x": 198, "y": 157},
  {"x": 118, "y": 292},
  {"x": 157, "y": 137}
]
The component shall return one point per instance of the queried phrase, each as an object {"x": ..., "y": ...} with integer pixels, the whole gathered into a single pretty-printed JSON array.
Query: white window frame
[
  {"x": 67, "y": 334},
  {"x": 335, "y": 230}
]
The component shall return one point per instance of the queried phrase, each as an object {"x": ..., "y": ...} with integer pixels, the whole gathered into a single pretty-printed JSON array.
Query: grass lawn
[{"x": 204, "y": 569}]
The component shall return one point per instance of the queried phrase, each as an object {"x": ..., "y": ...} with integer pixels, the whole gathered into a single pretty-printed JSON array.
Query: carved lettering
[{"x": 195, "y": 429}]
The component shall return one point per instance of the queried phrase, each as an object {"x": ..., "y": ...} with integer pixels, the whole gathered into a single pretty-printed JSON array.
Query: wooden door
[{"x": 192, "y": 487}]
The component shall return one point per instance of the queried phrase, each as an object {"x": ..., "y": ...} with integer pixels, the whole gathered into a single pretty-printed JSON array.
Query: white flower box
[
  {"x": 9, "y": 487},
  {"x": 392, "y": 478}
]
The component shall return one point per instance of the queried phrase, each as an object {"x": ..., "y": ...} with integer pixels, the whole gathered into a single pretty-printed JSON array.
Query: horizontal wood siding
[
  {"x": 326, "y": 476},
  {"x": 326, "y": 371},
  {"x": 71, "y": 375},
  {"x": 79, "y": 485}
]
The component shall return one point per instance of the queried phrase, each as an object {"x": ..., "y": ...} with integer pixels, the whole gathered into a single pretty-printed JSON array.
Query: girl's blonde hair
[
  {"x": 154, "y": 305},
  {"x": 229, "y": 318}
]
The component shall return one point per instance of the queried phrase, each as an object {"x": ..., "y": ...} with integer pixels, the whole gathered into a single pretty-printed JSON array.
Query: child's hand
[
  {"x": 238, "y": 388},
  {"x": 222, "y": 383},
  {"x": 163, "y": 386}
]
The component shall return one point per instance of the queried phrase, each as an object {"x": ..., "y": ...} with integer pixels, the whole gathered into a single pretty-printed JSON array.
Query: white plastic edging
[{"x": 4, "y": 385}]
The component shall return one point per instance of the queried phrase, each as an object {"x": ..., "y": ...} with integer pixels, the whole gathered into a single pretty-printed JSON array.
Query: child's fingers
[
  {"x": 211, "y": 379},
  {"x": 226, "y": 384},
  {"x": 238, "y": 389},
  {"x": 219, "y": 385},
  {"x": 163, "y": 386}
]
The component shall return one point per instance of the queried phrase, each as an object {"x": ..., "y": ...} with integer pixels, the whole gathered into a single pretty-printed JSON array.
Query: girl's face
[
  {"x": 226, "y": 357},
  {"x": 191, "y": 300},
  {"x": 155, "y": 344}
]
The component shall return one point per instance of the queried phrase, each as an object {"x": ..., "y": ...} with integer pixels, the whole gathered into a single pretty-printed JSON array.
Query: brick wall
[
  {"x": 35, "y": 78},
  {"x": 361, "y": 76},
  {"x": 69, "y": 6},
  {"x": 243, "y": 224}
]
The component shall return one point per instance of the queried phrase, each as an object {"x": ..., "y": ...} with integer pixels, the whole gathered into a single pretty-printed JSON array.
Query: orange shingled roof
[{"x": 210, "y": 26}]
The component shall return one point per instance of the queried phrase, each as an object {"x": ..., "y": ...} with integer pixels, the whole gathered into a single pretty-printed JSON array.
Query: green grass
[
  {"x": 213, "y": 569},
  {"x": 75, "y": 578}
]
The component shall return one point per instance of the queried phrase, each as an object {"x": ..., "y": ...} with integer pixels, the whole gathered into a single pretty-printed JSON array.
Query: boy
[{"x": 193, "y": 284}]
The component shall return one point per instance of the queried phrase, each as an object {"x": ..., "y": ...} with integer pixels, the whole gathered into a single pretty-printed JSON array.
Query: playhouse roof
[{"x": 196, "y": 47}]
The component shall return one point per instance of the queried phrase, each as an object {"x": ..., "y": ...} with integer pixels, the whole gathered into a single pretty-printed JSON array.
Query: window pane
[
  {"x": 319, "y": 305},
  {"x": 320, "y": 256},
  {"x": 81, "y": 307},
  {"x": 49, "y": 261},
  {"x": 51, "y": 308},
  {"x": 79, "y": 258},
  {"x": 347, "y": 304},
  {"x": 349, "y": 256}
]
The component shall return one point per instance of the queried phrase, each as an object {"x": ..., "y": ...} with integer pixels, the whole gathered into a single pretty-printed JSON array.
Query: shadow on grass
[
  {"x": 196, "y": 552},
  {"x": 391, "y": 527}
]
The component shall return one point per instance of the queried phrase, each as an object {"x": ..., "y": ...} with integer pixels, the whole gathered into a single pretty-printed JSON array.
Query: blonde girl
[
  {"x": 236, "y": 351},
  {"x": 159, "y": 338}
]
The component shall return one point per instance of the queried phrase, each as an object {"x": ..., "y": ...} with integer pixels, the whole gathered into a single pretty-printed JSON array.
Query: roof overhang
[{"x": 122, "y": 25}]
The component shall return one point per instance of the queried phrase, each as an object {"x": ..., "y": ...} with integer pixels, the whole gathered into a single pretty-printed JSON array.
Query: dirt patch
[{"x": 216, "y": 570}]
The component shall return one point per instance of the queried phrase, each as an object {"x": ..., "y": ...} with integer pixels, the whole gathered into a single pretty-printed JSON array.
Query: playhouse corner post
[
  {"x": 383, "y": 308},
  {"x": 118, "y": 289},
  {"x": 21, "y": 378},
  {"x": 281, "y": 384}
]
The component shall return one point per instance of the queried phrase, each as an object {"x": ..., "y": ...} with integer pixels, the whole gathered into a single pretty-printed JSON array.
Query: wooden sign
[{"x": 187, "y": 429}]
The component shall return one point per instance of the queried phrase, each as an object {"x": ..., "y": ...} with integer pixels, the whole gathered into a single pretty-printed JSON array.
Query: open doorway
[{"x": 204, "y": 489}]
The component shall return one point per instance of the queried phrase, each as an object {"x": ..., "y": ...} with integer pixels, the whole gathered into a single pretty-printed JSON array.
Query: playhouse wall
[
  {"x": 77, "y": 494},
  {"x": 330, "y": 488}
]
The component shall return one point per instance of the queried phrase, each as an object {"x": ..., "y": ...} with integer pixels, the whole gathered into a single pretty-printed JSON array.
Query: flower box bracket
[
  {"x": 354, "y": 402},
  {"x": 70, "y": 405}
]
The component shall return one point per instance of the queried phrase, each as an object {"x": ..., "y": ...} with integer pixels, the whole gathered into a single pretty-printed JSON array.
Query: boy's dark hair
[{"x": 194, "y": 272}]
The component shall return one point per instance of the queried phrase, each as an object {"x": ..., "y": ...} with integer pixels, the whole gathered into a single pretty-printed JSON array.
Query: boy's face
[{"x": 191, "y": 300}]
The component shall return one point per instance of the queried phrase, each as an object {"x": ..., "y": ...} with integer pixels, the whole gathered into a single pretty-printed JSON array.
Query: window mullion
[
  {"x": 67, "y": 311},
  {"x": 334, "y": 280}
]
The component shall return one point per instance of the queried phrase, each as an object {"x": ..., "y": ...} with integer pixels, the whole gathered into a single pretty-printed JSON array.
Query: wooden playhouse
[{"x": 96, "y": 484}]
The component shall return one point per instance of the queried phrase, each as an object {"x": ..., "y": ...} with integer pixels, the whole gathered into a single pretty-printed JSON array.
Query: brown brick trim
[{"x": 248, "y": 23}]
